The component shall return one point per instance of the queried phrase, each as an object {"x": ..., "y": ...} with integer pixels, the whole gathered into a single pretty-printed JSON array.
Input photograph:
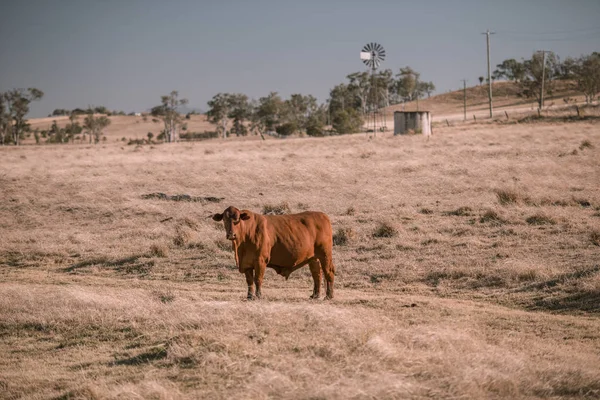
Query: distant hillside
[
  {"x": 449, "y": 105},
  {"x": 130, "y": 127}
]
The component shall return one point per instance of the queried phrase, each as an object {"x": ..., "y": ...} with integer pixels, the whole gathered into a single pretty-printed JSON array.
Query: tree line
[
  {"x": 543, "y": 70},
  {"x": 14, "y": 106},
  {"x": 343, "y": 111}
]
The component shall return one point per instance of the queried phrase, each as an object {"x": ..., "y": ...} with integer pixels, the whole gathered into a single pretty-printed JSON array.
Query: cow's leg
[
  {"x": 250, "y": 281},
  {"x": 315, "y": 270},
  {"x": 328, "y": 271},
  {"x": 259, "y": 274}
]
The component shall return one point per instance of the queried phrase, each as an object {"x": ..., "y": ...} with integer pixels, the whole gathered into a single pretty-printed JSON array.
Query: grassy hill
[
  {"x": 449, "y": 105},
  {"x": 129, "y": 127}
]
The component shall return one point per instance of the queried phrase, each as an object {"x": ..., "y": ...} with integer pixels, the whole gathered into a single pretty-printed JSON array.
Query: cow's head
[{"x": 231, "y": 218}]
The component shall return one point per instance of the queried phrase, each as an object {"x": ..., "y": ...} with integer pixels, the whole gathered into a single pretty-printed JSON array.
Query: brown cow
[{"x": 282, "y": 242}]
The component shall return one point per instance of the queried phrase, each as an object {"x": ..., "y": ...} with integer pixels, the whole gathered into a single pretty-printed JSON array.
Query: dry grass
[
  {"x": 540, "y": 219},
  {"x": 343, "y": 236},
  {"x": 595, "y": 237},
  {"x": 105, "y": 294},
  {"x": 385, "y": 230},
  {"x": 278, "y": 209}
]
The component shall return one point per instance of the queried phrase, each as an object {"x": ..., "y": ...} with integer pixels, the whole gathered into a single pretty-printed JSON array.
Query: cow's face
[{"x": 231, "y": 217}]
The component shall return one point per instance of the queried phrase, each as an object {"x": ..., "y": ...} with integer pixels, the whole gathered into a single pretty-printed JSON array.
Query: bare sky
[{"x": 125, "y": 54}]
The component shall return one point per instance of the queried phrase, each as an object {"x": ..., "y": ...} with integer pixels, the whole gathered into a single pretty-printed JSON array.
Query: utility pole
[
  {"x": 489, "y": 74},
  {"x": 543, "y": 79},
  {"x": 464, "y": 81}
]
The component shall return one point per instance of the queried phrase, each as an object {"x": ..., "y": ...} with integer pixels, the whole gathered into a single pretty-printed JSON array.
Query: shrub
[
  {"x": 165, "y": 296},
  {"x": 507, "y": 196},
  {"x": 540, "y": 219},
  {"x": 595, "y": 237},
  {"x": 286, "y": 129},
  {"x": 351, "y": 211},
  {"x": 315, "y": 130},
  {"x": 385, "y": 230},
  {"x": 491, "y": 216},
  {"x": 199, "y": 135},
  {"x": 586, "y": 144},
  {"x": 426, "y": 211},
  {"x": 342, "y": 236},
  {"x": 159, "y": 250},
  {"x": 347, "y": 121},
  {"x": 279, "y": 209},
  {"x": 461, "y": 211},
  {"x": 183, "y": 236}
]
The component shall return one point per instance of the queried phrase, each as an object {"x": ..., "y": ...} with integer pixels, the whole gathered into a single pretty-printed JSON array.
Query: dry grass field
[
  {"x": 126, "y": 126},
  {"x": 468, "y": 266}
]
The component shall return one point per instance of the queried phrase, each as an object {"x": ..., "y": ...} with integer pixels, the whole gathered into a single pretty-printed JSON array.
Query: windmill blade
[{"x": 372, "y": 55}]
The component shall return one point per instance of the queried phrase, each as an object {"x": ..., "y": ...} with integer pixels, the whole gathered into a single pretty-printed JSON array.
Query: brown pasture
[{"x": 467, "y": 266}]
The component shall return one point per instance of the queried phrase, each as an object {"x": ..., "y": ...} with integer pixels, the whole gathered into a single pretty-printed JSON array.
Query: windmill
[{"x": 373, "y": 55}]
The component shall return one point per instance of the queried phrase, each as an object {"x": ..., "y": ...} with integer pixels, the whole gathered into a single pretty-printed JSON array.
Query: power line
[
  {"x": 581, "y": 30},
  {"x": 578, "y": 37}
]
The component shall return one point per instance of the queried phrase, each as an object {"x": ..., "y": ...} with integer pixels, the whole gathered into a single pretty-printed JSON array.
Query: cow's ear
[
  {"x": 244, "y": 216},
  {"x": 218, "y": 217}
]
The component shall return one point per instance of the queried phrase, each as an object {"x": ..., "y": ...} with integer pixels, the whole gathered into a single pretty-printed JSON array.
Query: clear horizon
[{"x": 125, "y": 54}]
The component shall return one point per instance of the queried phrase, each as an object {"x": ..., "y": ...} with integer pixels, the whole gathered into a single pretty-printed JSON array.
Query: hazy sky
[{"x": 124, "y": 54}]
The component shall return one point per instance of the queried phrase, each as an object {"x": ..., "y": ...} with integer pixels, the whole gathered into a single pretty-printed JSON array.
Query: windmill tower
[{"x": 373, "y": 55}]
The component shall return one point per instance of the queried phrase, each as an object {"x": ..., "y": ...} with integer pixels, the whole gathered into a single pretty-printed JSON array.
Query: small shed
[{"x": 415, "y": 121}]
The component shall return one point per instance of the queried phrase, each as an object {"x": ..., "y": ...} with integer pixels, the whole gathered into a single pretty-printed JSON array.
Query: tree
[
  {"x": 226, "y": 106},
  {"x": 425, "y": 87},
  {"x": 530, "y": 82},
  {"x": 219, "y": 110},
  {"x": 102, "y": 110},
  {"x": 73, "y": 128},
  {"x": 315, "y": 124},
  {"x": 267, "y": 113},
  {"x": 167, "y": 111},
  {"x": 347, "y": 121},
  {"x": 94, "y": 126},
  {"x": 406, "y": 85},
  {"x": 481, "y": 79},
  {"x": 360, "y": 86},
  {"x": 586, "y": 72},
  {"x": 60, "y": 112},
  {"x": 55, "y": 134},
  {"x": 385, "y": 85},
  {"x": 341, "y": 98},
  {"x": 241, "y": 112},
  {"x": 298, "y": 109},
  {"x": 510, "y": 69},
  {"x": 5, "y": 122},
  {"x": 17, "y": 105}
]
